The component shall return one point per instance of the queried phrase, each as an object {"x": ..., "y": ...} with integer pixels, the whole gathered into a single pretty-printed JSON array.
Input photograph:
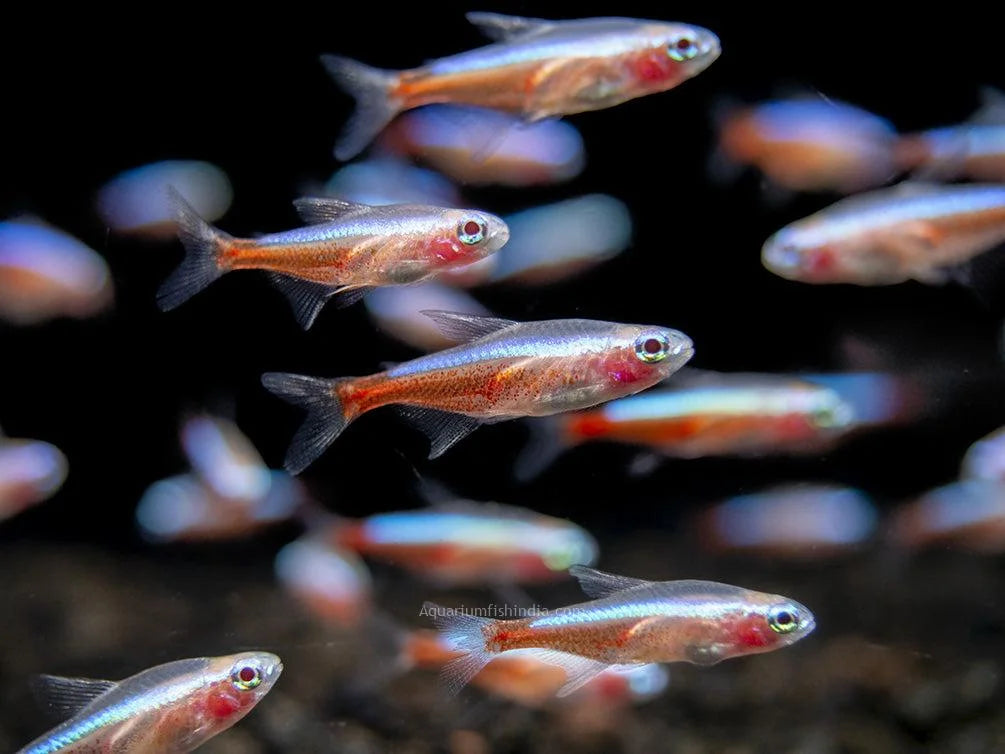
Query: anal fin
[
  {"x": 306, "y": 297},
  {"x": 579, "y": 671},
  {"x": 443, "y": 428}
]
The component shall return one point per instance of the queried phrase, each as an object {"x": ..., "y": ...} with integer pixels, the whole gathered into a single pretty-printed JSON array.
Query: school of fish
[{"x": 487, "y": 116}]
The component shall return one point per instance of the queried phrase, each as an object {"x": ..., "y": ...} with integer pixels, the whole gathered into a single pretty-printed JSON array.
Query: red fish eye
[
  {"x": 472, "y": 228},
  {"x": 247, "y": 674},
  {"x": 652, "y": 345},
  {"x": 683, "y": 43}
]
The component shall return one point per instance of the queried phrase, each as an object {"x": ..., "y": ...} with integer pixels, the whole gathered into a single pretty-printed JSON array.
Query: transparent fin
[
  {"x": 598, "y": 584},
  {"x": 543, "y": 447},
  {"x": 325, "y": 418},
  {"x": 305, "y": 296},
  {"x": 579, "y": 671},
  {"x": 466, "y": 327},
  {"x": 375, "y": 105},
  {"x": 499, "y": 27},
  {"x": 63, "y": 697},
  {"x": 317, "y": 211},
  {"x": 200, "y": 267},
  {"x": 443, "y": 428},
  {"x": 350, "y": 294},
  {"x": 464, "y": 633}
]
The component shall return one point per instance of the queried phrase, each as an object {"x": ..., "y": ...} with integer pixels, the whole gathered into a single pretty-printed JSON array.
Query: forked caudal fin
[
  {"x": 375, "y": 105},
  {"x": 201, "y": 265},
  {"x": 325, "y": 420},
  {"x": 464, "y": 633}
]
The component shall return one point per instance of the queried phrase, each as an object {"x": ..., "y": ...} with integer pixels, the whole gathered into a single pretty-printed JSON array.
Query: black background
[{"x": 89, "y": 96}]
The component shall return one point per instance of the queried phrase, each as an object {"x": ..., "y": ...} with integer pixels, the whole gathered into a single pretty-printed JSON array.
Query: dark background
[{"x": 87, "y": 98}]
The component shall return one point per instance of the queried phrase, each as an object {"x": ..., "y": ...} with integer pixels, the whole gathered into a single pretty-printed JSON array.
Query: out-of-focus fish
[
  {"x": 504, "y": 370},
  {"x": 137, "y": 200},
  {"x": 795, "y": 521},
  {"x": 389, "y": 181},
  {"x": 974, "y": 150},
  {"x": 184, "y": 508},
  {"x": 630, "y": 621},
  {"x": 398, "y": 311},
  {"x": 536, "y": 69},
  {"x": 224, "y": 458},
  {"x": 348, "y": 249},
  {"x": 985, "y": 459},
  {"x": 333, "y": 583},
  {"x": 811, "y": 144},
  {"x": 174, "y": 707},
  {"x": 913, "y": 231},
  {"x": 968, "y": 514},
  {"x": 461, "y": 543},
  {"x": 480, "y": 146},
  {"x": 747, "y": 415},
  {"x": 522, "y": 676},
  {"x": 556, "y": 241},
  {"x": 45, "y": 274},
  {"x": 30, "y": 472}
]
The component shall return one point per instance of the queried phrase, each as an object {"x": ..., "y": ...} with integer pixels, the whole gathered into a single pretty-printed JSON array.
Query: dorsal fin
[
  {"x": 598, "y": 584},
  {"x": 466, "y": 327},
  {"x": 316, "y": 210},
  {"x": 499, "y": 27},
  {"x": 64, "y": 697}
]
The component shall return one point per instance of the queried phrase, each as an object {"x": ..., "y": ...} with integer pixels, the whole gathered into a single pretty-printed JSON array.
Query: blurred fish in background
[
  {"x": 967, "y": 515},
  {"x": 137, "y": 201},
  {"x": 794, "y": 521},
  {"x": 31, "y": 472},
  {"x": 45, "y": 274},
  {"x": 398, "y": 312},
  {"x": 385, "y": 180},
  {"x": 913, "y": 231},
  {"x": 478, "y": 146},
  {"x": 232, "y": 493},
  {"x": 461, "y": 542},
  {"x": 985, "y": 459},
  {"x": 810, "y": 143},
  {"x": 974, "y": 150},
  {"x": 331, "y": 582}
]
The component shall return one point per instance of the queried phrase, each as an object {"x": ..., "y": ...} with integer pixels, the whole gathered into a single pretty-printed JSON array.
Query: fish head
[
  {"x": 826, "y": 410},
  {"x": 668, "y": 54},
  {"x": 252, "y": 675},
  {"x": 770, "y": 622},
  {"x": 805, "y": 252},
  {"x": 639, "y": 356},
  {"x": 467, "y": 236},
  {"x": 566, "y": 546}
]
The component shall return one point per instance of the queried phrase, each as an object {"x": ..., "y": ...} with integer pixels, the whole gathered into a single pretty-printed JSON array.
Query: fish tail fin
[
  {"x": 546, "y": 443},
  {"x": 326, "y": 416},
  {"x": 376, "y": 105},
  {"x": 464, "y": 633},
  {"x": 201, "y": 265}
]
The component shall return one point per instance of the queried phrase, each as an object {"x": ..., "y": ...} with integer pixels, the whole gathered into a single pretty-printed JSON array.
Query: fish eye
[
  {"x": 471, "y": 231},
  {"x": 246, "y": 677},
  {"x": 682, "y": 48},
  {"x": 783, "y": 620},
  {"x": 652, "y": 348}
]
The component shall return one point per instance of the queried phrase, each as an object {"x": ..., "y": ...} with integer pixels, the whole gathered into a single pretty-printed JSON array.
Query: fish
[
  {"x": 715, "y": 415},
  {"x": 137, "y": 201},
  {"x": 397, "y": 311},
  {"x": 478, "y": 146},
  {"x": 332, "y": 582},
  {"x": 185, "y": 508},
  {"x": 169, "y": 709},
  {"x": 465, "y": 543},
  {"x": 536, "y": 68},
  {"x": 810, "y": 144},
  {"x": 985, "y": 459},
  {"x": 522, "y": 676},
  {"x": 629, "y": 621},
  {"x": 46, "y": 273},
  {"x": 347, "y": 249},
  {"x": 968, "y": 515},
  {"x": 31, "y": 471},
  {"x": 556, "y": 241},
  {"x": 909, "y": 232},
  {"x": 795, "y": 521},
  {"x": 224, "y": 458},
  {"x": 503, "y": 370}
]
